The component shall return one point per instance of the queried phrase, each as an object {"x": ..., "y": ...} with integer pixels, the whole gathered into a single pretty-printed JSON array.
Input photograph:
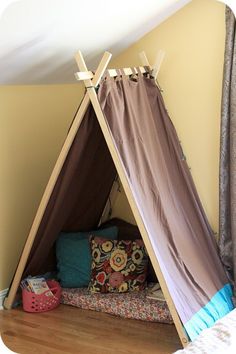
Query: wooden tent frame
[{"x": 91, "y": 81}]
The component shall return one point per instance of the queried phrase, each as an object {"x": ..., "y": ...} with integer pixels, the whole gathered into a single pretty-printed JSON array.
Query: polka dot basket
[{"x": 44, "y": 302}]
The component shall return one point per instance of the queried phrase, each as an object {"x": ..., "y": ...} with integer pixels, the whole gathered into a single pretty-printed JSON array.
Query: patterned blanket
[{"x": 129, "y": 305}]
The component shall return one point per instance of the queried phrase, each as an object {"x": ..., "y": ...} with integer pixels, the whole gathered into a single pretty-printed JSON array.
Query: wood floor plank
[{"x": 71, "y": 330}]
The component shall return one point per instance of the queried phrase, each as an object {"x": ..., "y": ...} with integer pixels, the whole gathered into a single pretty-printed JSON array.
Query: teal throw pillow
[{"x": 74, "y": 256}]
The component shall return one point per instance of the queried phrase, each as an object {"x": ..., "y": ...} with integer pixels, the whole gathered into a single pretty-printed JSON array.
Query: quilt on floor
[
  {"x": 133, "y": 305},
  {"x": 219, "y": 339}
]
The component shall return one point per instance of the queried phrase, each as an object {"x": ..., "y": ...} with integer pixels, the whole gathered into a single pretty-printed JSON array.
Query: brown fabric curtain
[
  {"x": 227, "y": 229},
  {"x": 159, "y": 178},
  {"x": 79, "y": 196}
]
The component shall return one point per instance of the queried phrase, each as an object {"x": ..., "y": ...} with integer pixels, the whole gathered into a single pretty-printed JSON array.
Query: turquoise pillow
[{"x": 74, "y": 256}]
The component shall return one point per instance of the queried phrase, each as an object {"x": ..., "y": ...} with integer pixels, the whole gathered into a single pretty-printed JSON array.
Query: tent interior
[{"x": 126, "y": 131}]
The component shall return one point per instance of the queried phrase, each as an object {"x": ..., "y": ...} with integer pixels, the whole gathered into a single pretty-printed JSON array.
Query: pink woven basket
[{"x": 41, "y": 303}]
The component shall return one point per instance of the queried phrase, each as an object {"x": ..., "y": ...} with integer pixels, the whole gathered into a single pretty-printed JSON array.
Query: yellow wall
[
  {"x": 34, "y": 121},
  {"x": 33, "y": 124},
  {"x": 191, "y": 76}
]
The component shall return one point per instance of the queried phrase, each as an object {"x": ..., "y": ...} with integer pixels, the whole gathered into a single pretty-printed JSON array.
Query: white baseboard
[{"x": 3, "y": 293}]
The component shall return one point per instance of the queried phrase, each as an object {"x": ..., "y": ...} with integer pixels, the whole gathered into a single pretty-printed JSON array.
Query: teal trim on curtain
[{"x": 220, "y": 304}]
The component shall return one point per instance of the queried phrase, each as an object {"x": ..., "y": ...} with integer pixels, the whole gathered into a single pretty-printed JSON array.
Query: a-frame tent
[{"x": 130, "y": 116}]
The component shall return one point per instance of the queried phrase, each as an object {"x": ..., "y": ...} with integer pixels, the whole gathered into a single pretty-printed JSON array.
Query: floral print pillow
[{"x": 117, "y": 266}]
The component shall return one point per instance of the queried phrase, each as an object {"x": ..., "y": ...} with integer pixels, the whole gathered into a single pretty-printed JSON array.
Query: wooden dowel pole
[
  {"x": 124, "y": 180},
  {"x": 44, "y": 201},
  {"x": 8, "y": 302}
]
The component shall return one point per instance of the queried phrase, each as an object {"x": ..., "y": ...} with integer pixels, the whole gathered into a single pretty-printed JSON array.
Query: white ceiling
[{"x": 38, "y": 38}]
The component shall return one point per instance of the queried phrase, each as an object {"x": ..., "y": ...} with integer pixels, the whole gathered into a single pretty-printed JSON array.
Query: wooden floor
[{"x": 71, "y": 330}]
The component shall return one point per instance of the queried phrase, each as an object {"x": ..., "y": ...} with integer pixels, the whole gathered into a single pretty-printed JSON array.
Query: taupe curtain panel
[
  {"x": 158, "y": 175},
  {"x": 227, "y": 240}
]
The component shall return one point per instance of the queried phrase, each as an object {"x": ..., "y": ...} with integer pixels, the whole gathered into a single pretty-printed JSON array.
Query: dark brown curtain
[
  {"x": 227, "y": 229},
  {"x": 159, "y": 178},
  {"x": 79, "y": 196}
]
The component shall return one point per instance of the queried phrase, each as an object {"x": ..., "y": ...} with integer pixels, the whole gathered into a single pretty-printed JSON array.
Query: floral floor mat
[{"x": 133, "y": 305}]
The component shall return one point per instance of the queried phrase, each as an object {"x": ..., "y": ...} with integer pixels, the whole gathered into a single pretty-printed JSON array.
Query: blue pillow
[{"x": 74, "y": 256}]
